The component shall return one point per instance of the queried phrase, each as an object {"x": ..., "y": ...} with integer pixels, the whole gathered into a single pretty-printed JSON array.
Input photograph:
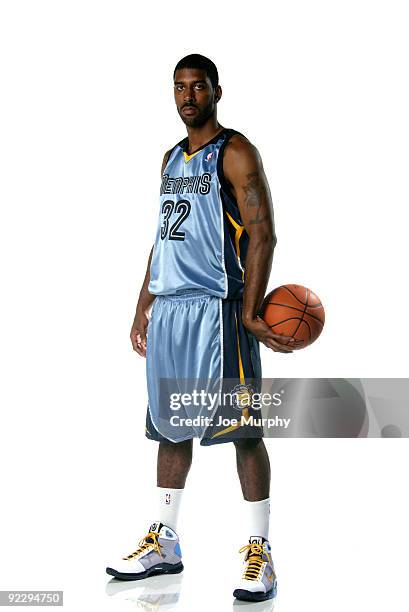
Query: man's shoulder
[
  {"x": 168, "y": 154},
  {"x": 237, "y": 147}
]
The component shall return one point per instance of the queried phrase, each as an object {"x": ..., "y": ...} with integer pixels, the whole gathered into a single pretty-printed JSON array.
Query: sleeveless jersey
[{"x": 200, "y": 242}]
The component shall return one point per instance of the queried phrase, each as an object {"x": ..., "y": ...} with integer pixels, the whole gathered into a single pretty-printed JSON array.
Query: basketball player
[{"x": 197, "y": 318}]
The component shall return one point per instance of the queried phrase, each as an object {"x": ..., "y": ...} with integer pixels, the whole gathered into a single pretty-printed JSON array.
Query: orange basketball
[{"x": 294, "y": 311}]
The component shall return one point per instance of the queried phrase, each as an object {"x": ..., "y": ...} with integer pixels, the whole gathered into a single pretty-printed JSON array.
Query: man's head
[{"x": 197, "y": 89}]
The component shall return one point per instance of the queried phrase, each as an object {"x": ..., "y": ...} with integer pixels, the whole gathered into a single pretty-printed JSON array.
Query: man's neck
[{"x": 200, "y": 135}]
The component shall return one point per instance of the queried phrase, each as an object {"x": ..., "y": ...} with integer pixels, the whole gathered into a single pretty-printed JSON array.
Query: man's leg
[
  {"x": 253, "y": 468},
  {"x": 258, "y": 581},
  {"x": 159, "y": 551},
  {"x": 174, "y": 461}
]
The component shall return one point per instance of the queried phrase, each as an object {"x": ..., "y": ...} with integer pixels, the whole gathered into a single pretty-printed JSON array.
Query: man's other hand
[
  {"x": 138, "y": 333},
  {"x": 263, "y": 333}
]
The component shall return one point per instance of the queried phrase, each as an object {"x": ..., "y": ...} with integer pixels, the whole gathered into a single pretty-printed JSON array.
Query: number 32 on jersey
[{"x": 181, "y": 208}]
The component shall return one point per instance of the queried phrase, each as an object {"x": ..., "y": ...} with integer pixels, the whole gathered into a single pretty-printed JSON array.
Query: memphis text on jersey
[{"x": 186, "y": 184}]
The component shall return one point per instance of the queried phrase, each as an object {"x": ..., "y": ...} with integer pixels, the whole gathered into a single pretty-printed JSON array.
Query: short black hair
[{"x": 202, "y": 63}]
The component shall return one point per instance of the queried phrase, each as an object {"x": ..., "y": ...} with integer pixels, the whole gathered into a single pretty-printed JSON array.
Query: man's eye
[
  {"x": 199, "y": 86},
  {"x": 179, "y": 87}
]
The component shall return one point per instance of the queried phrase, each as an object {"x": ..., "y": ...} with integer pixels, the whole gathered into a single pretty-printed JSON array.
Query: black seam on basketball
[
  {"x": 285, "y": 321},
  {"x": 298, "y": 310},
  {"x": 286, "y": 306},
  {"x": 309, "y": 328},
  {"x": 315, "y": 318},
  {"x": 293, "y": 294},
  {"x": 302, "y": 317}
]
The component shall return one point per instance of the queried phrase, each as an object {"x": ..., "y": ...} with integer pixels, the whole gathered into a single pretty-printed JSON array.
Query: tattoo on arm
[{"x": 255, "y": 196}]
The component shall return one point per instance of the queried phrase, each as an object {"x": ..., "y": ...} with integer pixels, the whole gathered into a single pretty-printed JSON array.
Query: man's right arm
[
  {"x": 145, "y": 300},
  {"x": 141, "y": 320}
]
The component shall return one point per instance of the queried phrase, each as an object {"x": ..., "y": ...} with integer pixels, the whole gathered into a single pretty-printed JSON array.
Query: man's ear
[{"x": 217, "y": 93}]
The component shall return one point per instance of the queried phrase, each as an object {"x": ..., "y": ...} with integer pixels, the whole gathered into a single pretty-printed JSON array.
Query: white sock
[
  {"x": 168, "y": 506},
  {"x": 258, "y": 517}
]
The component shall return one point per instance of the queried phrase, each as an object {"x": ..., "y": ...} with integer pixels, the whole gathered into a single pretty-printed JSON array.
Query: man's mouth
[{"x": 189, "y": 110}]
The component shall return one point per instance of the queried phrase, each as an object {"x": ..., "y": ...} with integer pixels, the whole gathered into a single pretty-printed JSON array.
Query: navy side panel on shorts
[{"x": 241, "y": 367}]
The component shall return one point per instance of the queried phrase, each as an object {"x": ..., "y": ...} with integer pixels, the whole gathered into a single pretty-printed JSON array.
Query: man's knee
[
  {"x": 245, "y": 444},
  {"x": 184, "y": 447}
]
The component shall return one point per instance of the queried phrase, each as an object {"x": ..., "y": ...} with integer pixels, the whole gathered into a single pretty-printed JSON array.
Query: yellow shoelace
[
  {"x": 254, "y": 561},
  {"x": 144, "y": 545}
]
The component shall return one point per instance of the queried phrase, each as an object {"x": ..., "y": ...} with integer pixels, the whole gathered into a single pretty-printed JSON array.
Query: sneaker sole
[
  {"x": 159, "y": 568},
  {"x": 257, "y": 596}
]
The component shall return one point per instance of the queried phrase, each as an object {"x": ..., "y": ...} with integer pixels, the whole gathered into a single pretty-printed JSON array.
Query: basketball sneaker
[
  {"x": 258, "y": 581},
  {"x": 157, "y": 553}
]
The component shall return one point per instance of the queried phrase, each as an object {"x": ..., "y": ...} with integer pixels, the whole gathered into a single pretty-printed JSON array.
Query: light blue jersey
[{"x": 200, "y": 241}]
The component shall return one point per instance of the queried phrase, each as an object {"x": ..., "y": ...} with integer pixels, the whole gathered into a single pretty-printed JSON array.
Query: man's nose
[{"x": 189, "y": 95}]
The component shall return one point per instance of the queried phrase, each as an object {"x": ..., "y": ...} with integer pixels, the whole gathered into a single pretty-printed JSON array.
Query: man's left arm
[{"x": 243, "y": 169}]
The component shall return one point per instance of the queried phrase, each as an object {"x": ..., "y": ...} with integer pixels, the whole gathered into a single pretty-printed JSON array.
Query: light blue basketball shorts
[{"x": 198, "y": 354}]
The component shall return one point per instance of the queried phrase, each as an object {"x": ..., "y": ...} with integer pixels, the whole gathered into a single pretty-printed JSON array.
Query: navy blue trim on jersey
[
  {"x": 222, "y": 179},
  {"x": 234, "y": 264},
  {"x": 184, "y": 144}
]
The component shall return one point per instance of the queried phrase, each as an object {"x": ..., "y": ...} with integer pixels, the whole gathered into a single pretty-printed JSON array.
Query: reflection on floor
[
  {"x": 155, "y": 593},
  {"x": 163, "y": 592},
  {"x": 245, "y": 606}
]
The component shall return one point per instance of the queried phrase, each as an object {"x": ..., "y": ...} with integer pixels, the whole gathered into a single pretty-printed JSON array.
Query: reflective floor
[{"x": 165, "y": 593}]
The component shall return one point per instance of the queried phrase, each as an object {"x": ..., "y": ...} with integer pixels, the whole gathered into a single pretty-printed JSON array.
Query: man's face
[{"x": 194, "y": 96}]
